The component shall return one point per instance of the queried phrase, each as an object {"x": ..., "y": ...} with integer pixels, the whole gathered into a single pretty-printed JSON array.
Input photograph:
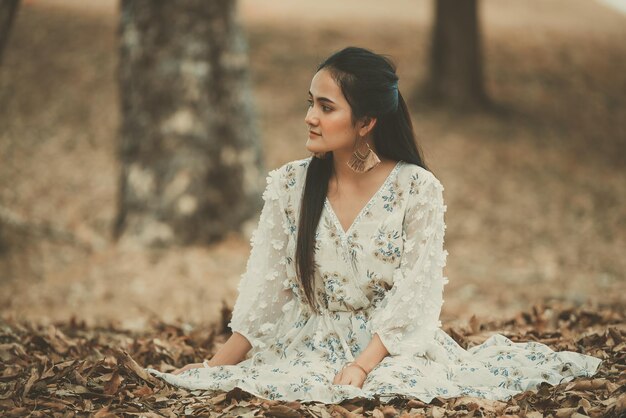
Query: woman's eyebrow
[{"x": 322, "y": 99}]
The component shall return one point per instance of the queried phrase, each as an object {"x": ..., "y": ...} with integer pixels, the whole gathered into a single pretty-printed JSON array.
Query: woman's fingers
[
  {"x": 336, "y": 379},
  {"x": 187, "y": 367},
  {"x": 347, "y": 379}
]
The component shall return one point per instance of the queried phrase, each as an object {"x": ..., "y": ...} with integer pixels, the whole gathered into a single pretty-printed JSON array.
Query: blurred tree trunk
[
  {"x": 456, "y": 74},
  {"x": 8, "y": 10},
  {"x": 191, "y": 167}
]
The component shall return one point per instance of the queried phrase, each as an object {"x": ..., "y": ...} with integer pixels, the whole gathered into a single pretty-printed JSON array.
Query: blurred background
[{"x": 135, "y": 140}]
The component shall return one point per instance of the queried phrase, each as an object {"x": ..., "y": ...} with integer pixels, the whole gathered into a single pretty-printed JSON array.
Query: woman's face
[{"x": 329, "y": 116}]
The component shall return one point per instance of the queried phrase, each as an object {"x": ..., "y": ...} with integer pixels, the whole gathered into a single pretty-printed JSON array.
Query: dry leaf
[
  {"x": 282, "y": 411},
  {"x": 564, "y": 412},
  {"x": 34, "y": 375},
  {"x": 389, "y": 411},
  {"x": 474, "y": 324},
  {"x": 132, "y": 365},
  {"x": 437, "y": 412},
  {"x": 113, "y": 384},
  {"x": 592, "y": 384},
  {"x": 142, "y": 391}
]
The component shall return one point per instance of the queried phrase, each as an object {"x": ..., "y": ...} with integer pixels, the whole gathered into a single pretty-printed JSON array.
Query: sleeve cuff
[
  {"x": 253, "y": 341},
  {"x": 397, "y": 344},
  {"x": 389, "y": 341}
]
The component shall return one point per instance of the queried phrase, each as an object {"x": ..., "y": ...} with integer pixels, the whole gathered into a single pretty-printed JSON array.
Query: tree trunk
[
  {"x": 191, "y": 164},
  {"x": 8, "y": 10},
  {"x": 456, "y": 75}
]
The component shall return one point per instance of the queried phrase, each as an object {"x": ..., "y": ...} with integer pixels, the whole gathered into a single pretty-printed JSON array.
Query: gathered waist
[
  {"x": 298, "y": 315},
  {"x": 295, "y": 306},
  {"x": 328, "y": 312}
]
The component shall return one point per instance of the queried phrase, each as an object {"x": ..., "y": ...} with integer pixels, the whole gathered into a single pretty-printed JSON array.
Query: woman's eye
[{"x": 324, "y": 108}]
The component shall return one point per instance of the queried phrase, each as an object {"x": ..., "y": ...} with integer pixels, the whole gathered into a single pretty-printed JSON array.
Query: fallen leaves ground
[{"x": 68, "y": 368}]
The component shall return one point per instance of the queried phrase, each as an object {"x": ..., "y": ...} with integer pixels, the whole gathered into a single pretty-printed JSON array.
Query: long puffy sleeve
[
  {"x": 407, "y": 317},
  {"x": 258, "y": 307}
]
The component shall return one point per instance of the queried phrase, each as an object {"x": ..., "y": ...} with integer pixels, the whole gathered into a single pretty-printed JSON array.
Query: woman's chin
[{"x": 313, "y": 147}]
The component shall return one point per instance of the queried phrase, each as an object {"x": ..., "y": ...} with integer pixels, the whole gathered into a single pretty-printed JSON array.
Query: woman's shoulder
[
  {"x": 290, "y": 175},
  {"x": 294, "y": 166},
  {"x": 415, "y": 177},
  {"x": 421, "y": 188}
]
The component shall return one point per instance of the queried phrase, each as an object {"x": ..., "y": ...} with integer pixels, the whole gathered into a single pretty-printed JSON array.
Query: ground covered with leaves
[{"x": 69, "y": 368}]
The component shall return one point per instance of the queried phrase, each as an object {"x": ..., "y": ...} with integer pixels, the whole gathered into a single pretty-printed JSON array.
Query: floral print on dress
[
  {"x": 393, "y": 196},
  {"x": 413, "y": 183},
  {"x": 387, "y": 248},
  {"x": 376, "y": 287},
  {"x": 383, "y": 276},
  {"x": 332, "y": 232},
  {"x": 290, "y": 218},
  {"x": 289, "y": 178},
  {"x": 352, "y": 249}
]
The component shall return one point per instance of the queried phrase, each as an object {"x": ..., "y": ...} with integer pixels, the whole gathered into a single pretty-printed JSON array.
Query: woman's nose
[{"x": 310, "y": 118}]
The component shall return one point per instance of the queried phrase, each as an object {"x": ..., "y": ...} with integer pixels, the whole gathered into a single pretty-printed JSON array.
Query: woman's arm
[
  {"x": 408, "y": 316},
  {"x": 373, "y": 354},
  {"x": 262, "y": 292},
  {"x": 233, "y": 351}
]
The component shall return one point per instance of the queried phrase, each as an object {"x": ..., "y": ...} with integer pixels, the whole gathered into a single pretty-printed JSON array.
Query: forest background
[{"x": 535, "y": 191}]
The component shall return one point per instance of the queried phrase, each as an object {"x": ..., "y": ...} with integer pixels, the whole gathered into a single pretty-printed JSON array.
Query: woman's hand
[
  {"x": 188, "y": 367},
  {"x": 350, "y": 375}
]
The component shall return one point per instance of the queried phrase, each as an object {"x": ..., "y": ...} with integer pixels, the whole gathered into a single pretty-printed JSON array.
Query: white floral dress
[{"x": 383, "y": 275}]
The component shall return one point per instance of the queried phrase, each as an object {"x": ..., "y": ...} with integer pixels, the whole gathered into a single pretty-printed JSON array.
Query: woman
[{"x": 343, "y": 288}]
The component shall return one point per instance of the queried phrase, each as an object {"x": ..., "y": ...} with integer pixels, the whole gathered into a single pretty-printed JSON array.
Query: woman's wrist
[
  {"x": 210, "y": 362},
  {"x": 355, "y": 364}
]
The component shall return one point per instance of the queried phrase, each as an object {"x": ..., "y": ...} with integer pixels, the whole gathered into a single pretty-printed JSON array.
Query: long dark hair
[{"x": 369, "y": 83}]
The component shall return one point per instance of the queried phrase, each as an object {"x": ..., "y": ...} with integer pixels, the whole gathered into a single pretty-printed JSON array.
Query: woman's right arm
[
  {"x": 263, "y": 288},
  {"x": 232, "y": 352}
]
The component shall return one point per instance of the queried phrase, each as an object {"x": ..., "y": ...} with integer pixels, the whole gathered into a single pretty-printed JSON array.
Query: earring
[{"x": 361, "y": 163}]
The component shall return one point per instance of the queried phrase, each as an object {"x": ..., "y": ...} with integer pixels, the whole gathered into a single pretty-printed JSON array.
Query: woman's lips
[{"x": 313, "y": 134}]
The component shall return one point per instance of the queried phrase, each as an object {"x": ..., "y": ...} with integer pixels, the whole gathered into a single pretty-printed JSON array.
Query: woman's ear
[{"x": 367, "y": 125}]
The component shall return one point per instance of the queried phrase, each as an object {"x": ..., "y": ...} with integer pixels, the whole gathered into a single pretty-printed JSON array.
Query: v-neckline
[{"x": 329, "y": 207}]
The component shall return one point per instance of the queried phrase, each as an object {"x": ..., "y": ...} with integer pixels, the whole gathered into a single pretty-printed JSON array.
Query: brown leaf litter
[{"x": 70, "y": 369}]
